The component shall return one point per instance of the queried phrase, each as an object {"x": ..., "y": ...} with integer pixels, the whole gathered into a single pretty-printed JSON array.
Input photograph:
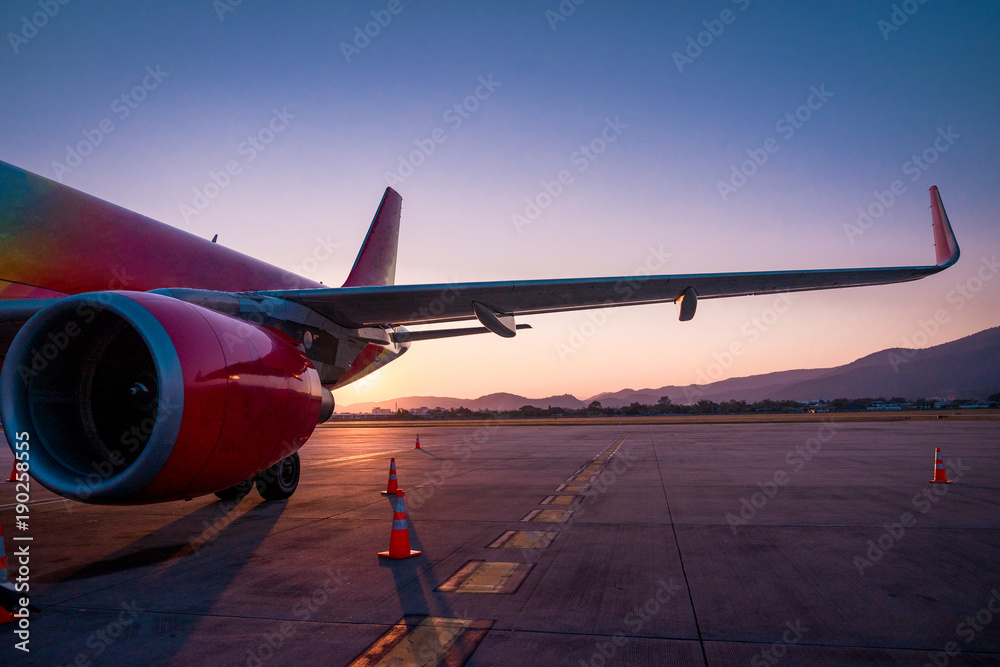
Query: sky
[{"x": 698, "y": 137}]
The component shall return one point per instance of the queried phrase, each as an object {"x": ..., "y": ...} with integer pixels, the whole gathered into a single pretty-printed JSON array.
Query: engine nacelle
[{"x": 130, "y": 397}]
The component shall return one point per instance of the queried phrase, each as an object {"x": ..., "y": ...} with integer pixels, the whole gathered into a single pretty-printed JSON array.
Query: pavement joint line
[
  {"x": 155, "y": 570},
  {"x": 35, "y": 503},
  {"x": 871, "y": 647},
  {"x": 673, "y": 529},
  {"x": 379, "y": 624}
]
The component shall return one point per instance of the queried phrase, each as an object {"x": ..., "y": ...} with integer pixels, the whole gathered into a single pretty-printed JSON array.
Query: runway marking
[
  {"x": 561, "y": 500},
  {"x": 324, "y": 462},
  {"x": 498, "y": 578},
  {"x": 574, "y": 487},
  {"x": 548, "y": 516},
  {"x": 523, "y": 539},
  {"x": 480, "y": 576},
  {"x": 425, "y": 640},
  {"x": 592, "y": 469}
]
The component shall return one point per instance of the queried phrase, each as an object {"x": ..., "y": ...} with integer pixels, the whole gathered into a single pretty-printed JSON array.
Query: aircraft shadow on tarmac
[
  {"x": 180, "y": 595},
  {"x": 150, "y": 550},
  {"x": 424, "y": 451}
]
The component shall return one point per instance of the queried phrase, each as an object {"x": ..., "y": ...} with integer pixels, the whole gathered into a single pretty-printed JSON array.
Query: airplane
[{"x": 144, "y": 364}]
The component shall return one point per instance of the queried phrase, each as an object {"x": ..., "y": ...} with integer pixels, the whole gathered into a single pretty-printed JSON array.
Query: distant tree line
[{"x": 665, "y": 406}]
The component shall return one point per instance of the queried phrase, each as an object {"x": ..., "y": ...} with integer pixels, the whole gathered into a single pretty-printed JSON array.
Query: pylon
[
  {"x": 13, "y": 472},
  {"x": 393, "y": 486},
  {"x": 399, "y": 538},
  {"x": 940, "y": 476},
  {"x": 417, "y": 446},
  {"x": 5, "y": 616}
]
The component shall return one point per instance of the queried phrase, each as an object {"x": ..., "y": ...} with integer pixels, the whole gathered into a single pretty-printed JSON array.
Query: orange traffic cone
[
  {"x": 5, "y": 616},
  {"x": 417, "y": 446},
  {"x": 399, "y": 539},
  {"x": 393, "y": 486},
  {"x": 3, "y": 560},
  {"x": 13, "y": 472},
  {"x": 940, "y": 476}
]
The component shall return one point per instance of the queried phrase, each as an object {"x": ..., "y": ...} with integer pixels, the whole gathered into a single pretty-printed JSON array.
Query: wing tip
[
  {"x": 376, "y": 261},
  {"x": 946, "y": 247}
]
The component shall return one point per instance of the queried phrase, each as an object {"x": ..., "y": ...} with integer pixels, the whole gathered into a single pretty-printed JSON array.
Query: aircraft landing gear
[
  {"x": 280, "y": 480},
  {"x": 275, "y": 483},
  {"x": 238, "y": 491}
]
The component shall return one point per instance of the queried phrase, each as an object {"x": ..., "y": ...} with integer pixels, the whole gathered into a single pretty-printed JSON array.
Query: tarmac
[{"x": 683, "y": 544}]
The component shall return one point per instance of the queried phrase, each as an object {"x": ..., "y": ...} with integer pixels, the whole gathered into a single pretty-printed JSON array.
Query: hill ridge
[{"x": 968, "y": 367}]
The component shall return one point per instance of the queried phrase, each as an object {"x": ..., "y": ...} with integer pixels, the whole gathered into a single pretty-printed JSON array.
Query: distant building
[
  {"x": 420, "y": 412},
  {"x": 382, "y": 411},
  {"x": 882, "y": 405}
]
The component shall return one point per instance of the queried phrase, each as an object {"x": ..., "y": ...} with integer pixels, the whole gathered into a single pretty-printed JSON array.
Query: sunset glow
[{"x": 533, "y": 142}]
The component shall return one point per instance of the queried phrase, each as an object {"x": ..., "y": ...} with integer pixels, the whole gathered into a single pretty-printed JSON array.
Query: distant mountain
[
  {"x": 498, "y": 401},
  {"x": 965, "y": 368}
]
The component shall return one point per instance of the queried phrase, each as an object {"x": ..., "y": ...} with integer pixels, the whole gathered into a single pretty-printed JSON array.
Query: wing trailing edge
[{"x": 425, "y": 304}]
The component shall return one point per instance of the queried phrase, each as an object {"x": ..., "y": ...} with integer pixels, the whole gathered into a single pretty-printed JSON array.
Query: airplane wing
[
  {"x": 110, "y": 321},
  {"x": 492, "y": 302}
]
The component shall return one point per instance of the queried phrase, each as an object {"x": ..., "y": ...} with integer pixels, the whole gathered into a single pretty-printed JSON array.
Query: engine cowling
[{"x": 131, "y": 397}]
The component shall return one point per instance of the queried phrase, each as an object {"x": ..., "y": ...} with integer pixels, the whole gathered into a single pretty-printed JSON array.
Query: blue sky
[{"x": 649, "y": 200}]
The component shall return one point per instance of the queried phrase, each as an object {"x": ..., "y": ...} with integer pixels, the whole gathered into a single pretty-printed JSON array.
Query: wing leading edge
[{"x": 427, "y": 304}]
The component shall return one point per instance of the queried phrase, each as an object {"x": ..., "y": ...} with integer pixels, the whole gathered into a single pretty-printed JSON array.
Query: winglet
[
  {"x": 945, "y": 245},
  {"x": 376, "y": 262}
]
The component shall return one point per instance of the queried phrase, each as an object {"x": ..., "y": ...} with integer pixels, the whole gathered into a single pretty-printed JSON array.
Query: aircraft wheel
[
  {"x": 280, "y": 480},
  {"x": 238, "y": 491}
]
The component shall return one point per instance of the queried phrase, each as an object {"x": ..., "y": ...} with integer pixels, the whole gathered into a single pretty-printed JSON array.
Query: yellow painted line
[
  {"x": 561, "y": 500},
  {"x": 548, "y": 516},
  {"x": 523, "y": 539},
  {"x": 574, "y": 487},
  {"x": 593, "y": 468},
  {"x": 425, "y": 641},
  {"x": 478, "y": 576}
]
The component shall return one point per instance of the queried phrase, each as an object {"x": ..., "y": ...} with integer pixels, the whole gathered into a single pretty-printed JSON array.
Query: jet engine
[{"x": 132, "y": 397}]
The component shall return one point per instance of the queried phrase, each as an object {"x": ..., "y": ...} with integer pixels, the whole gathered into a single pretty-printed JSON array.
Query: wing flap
[{"x": 427, "y": 304}]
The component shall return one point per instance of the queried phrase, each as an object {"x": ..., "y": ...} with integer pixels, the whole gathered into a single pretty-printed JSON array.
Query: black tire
[
  {"x": 238, "y": 491},
  {"x": 280, "y": 480}
]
